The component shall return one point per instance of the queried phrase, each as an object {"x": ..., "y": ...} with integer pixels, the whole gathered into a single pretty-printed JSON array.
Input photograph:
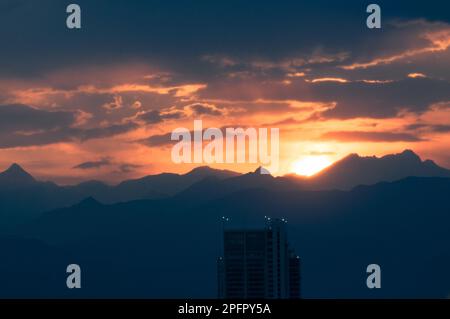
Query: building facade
[{"x": 258, "y": 264}]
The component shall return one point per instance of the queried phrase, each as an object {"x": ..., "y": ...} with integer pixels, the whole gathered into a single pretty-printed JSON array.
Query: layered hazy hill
[
  {"x": 168, "y": 248},
  {"x": 159, "y": 236},
  {"x": 22, "y": 196}
]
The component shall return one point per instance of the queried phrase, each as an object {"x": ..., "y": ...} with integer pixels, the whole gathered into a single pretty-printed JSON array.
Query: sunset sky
[{"x": 101, "y": 102}]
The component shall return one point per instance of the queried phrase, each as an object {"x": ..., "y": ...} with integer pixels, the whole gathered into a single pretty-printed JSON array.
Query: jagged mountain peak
[
  {"x": 15, "y": 175},
  {"x": 262, "y": 171},
  {"x": 355, "y": 170}
]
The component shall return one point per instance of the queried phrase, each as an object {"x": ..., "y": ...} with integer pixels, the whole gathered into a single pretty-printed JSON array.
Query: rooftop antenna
[
  {"x": 268, "y": 221},
  {"x": 224, "y": 219}
]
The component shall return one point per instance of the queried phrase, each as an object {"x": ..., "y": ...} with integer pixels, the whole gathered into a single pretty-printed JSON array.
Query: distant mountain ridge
[
  {"x": 22, "y": 196},
  {"x": 354, "y": 170},
  {"x": 351, "y": 171},
  {"x": 167, "y": 246},
  {"x": 174, "y": 246},
  {"x": 213, "y": 188}
]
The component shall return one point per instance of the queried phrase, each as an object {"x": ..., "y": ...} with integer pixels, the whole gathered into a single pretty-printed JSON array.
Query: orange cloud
[
  {"x": 377, "y": 81},
  {"x": 416, "y": 75},
  {"x": 180, "y": 91},
  {"x": 438, "y": 41},
  {"x": 296, "y": 74},
  {"x": 339, "y": 80}
]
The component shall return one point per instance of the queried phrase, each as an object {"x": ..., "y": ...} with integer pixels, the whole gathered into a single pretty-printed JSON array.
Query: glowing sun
[{"x": 310, "y": 165}]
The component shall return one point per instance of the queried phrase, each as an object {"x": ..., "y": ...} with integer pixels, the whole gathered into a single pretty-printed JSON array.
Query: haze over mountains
[
  {"x": 160, "y": 235},
  {"x": 168, "y": 248},
  {"x": 22, "y": 196}
]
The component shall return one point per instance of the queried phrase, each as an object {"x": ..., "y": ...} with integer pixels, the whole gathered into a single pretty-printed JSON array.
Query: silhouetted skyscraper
[{"x": 258, "y": 264}]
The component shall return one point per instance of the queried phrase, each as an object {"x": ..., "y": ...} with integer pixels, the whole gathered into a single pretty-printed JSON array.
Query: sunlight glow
[{"x": 310, "y": 165}]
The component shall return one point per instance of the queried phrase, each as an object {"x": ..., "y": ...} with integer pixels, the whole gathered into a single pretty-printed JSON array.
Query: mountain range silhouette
[
  {"x": 22, "y": 196},
  {"x": 163, "y": 240},
  {"x": 354, "y": 170}
]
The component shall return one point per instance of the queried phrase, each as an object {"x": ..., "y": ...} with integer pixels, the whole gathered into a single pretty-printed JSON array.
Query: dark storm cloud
[
  {"x": 94, "y": 164},
  {"x": 435, "y": 128},
  {"x": 154, "y": 116},
  {"x": 204, "y": 109},
  {"x": 101, "y": 132},
  {"x": 127, "y": 168},
  {"x": 157, "y": 140},
  {"x": 158, "y": 29},
  {"x": 120, "y": 167},
  {"x": 362, "y": 136},
  {"x": 243, "y": 51},
  {"x": 353, "y": 99},
  {"x": 21, "y": 125},
  {"x": 384, "y": 100},
  {"x": 155, "y": 31},
  {"x": 24, "y": 118}
]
